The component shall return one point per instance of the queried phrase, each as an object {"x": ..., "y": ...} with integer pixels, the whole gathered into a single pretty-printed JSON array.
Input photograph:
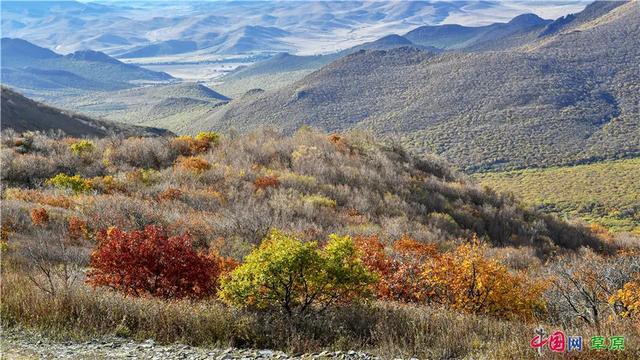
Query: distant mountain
[
  {"x": 281, "y": 62},
  {"x": 18, "y": 48},
  {"x": 95, "y": 56},
  {"x": 518, "y": 31},
  {"x": 168, "y": 47},
  {"x": 565, "y": 98},
  {"x": 388, "y": 42},
  {"x": 248, "y": 39},
  {"x": 22, "y": 114},
  {"x": 28, "y": 66},
  {"x": 591, "y": 12},
  {"x": 284, "y": 68},
  {"x": 231, "y": 27}
]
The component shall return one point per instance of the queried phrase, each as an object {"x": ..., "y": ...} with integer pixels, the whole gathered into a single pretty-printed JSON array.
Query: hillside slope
[
  {"x": 566, "y": 98},
  {"x": 607, "y": 193},
  {"x": 310, "y": 184},
  {"x": 22, "y": 114}
]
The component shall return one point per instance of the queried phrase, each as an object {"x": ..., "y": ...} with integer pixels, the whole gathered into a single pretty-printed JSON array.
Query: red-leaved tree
[
  {"x": 399, "y": 269},
  {"x": 148, "y": 262}
]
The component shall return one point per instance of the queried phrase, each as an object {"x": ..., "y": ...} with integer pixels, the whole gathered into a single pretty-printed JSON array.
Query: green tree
[{"x": 298, "y": 276}]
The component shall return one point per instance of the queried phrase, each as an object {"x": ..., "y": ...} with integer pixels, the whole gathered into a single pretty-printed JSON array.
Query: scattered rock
[{"x": 18, "y": 343}]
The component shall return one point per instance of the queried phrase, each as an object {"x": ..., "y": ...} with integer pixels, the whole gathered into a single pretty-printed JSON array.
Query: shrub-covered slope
[{"x": 310, "y": 184}]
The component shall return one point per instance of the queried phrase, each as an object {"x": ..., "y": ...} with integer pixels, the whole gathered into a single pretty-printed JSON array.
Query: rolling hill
[
  {"x": 491, "y": 36},
  {"x": 169, "y": 106},
  {"x": 565, "y": 98},
  {"x": 27, "y": 66},
  {"x": 22, "y": 114}
]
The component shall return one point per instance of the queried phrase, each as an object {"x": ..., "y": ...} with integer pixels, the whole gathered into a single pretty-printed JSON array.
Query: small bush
[
  {"x": 107, "y": 184},
  {"x": 627, "y": 299},
  {"x": 143, "y": 176},
  {"x": 266, "y": 182},
  {"x": 82, "y": 147},
  {"x": 298, "y": 277},
  {"x": 149, "y": 262},
  {"x": 39, "y": 216},
  {"x": 466, "y": 280},
  {"x": 319, "y": 200},
  {"x": 75, "y": 183},
  {"x": 210, "y": 137},
  {"x": 77, "y": 229},
  {"x": 194, "y": 164},
  {"x": 169, "y": 194},
  {"x": 35, "y": 196},
  {"x": 203, "y": 141},
  {"x": 400, "y": 272}
]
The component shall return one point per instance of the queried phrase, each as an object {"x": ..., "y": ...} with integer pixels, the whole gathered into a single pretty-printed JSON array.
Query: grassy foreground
[
  {"x": 386, "y": 329},
  {"x": 607, "y": 193}
]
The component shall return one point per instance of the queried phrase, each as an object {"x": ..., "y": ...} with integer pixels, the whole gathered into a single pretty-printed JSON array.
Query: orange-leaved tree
[
  {"x": 149, "y": 262},
  {"x": 467, "y": 280}
]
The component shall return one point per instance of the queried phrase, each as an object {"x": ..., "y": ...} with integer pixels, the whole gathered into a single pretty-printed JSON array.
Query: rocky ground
[{"x": 19, "y": 344}]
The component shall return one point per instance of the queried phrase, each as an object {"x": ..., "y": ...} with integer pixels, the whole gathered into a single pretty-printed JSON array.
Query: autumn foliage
[
  {"x": 149, "y": 262},
  {"x": 627, "y": 299},
  {"x": 202, "y": 142},
  {"x": 39, "y": 216},
  {"x": 77, "y": 229},
  {"x": 194, "y": 164},
  {"x": 298, "y": 277}
]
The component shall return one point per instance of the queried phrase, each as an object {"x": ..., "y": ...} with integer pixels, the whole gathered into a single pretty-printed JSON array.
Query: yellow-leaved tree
[
  {"x": 298, "y": 277},
  {"x": 627, "y": 299}
]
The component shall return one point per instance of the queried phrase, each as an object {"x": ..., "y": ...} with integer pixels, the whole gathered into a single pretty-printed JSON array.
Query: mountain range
[
  {"x": 520, "y": 93},
  {"x": 565, "y": 94},
  {"x": 149, "y": 29}
]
